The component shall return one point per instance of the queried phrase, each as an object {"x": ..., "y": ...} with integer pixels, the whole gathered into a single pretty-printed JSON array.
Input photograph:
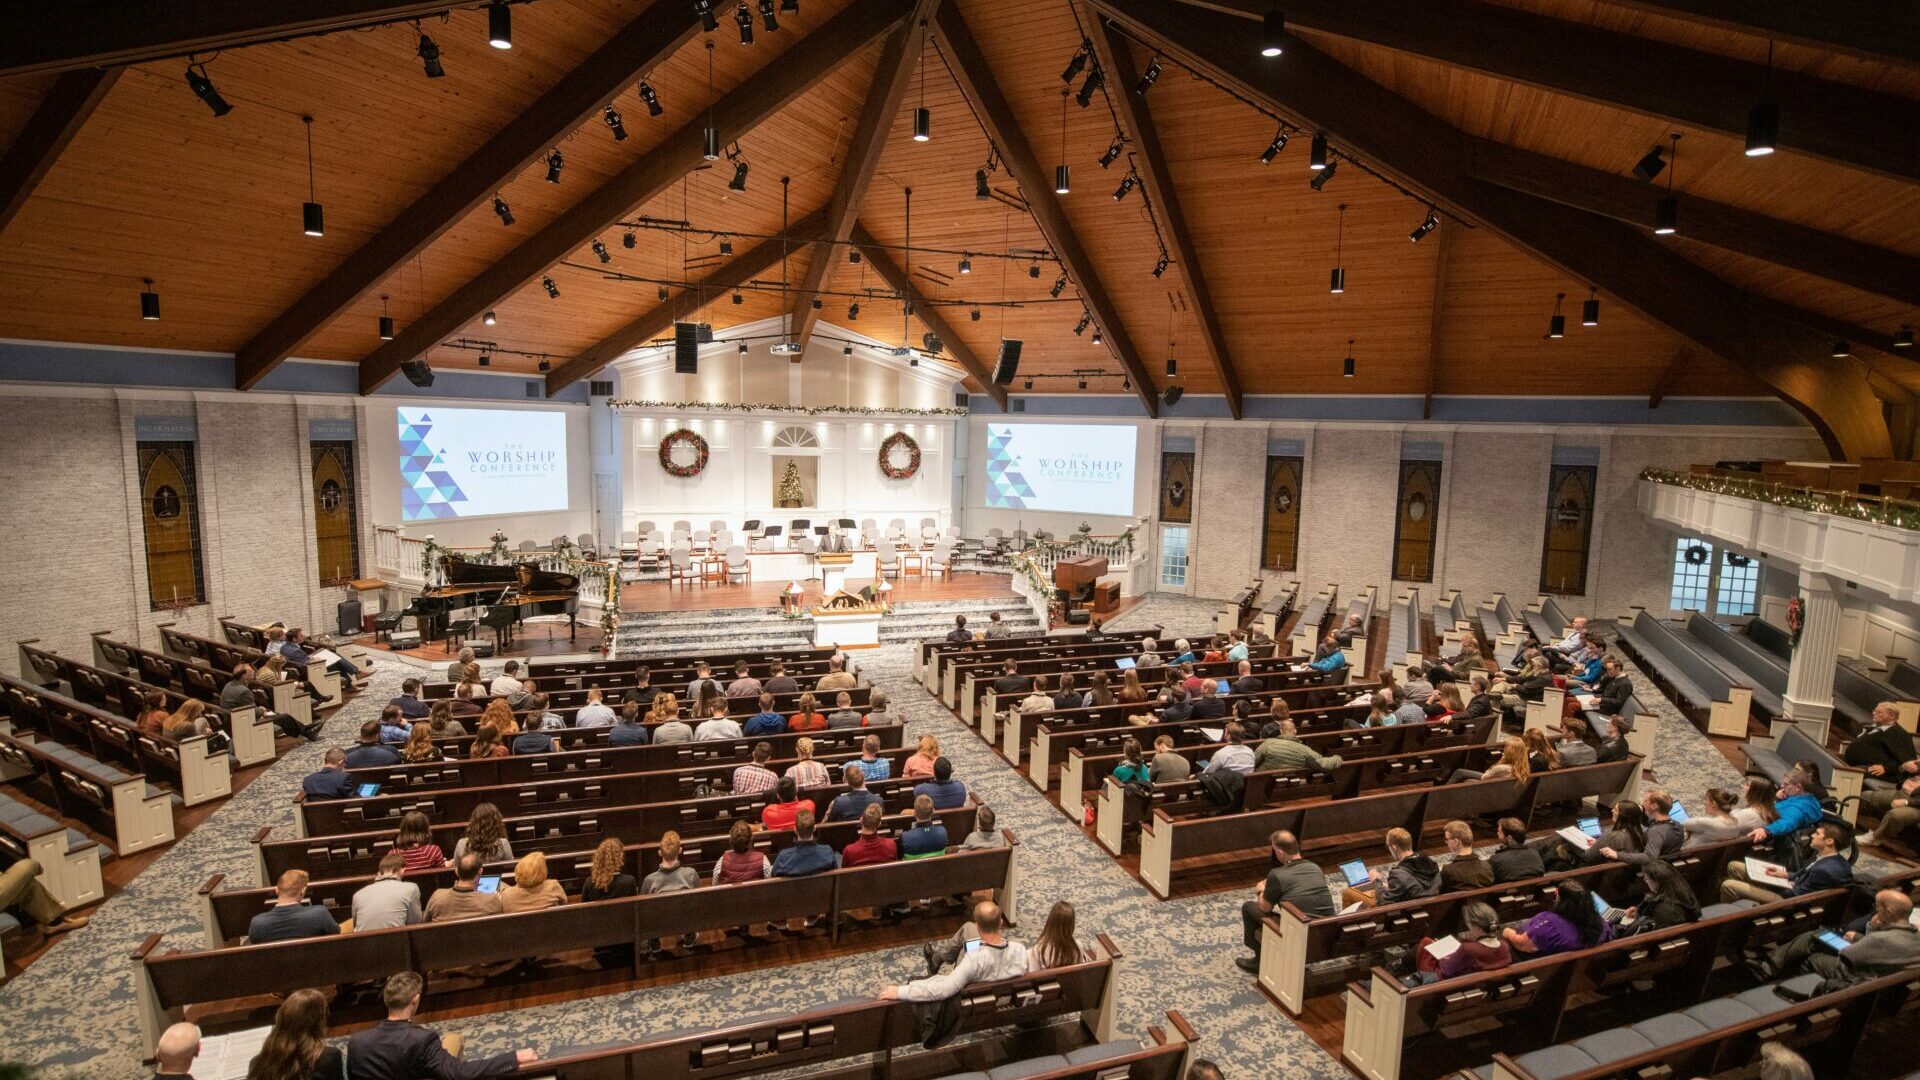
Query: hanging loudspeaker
[
  {"x": 686, "y": 349},
  {"x": 1009, "y": 361}
]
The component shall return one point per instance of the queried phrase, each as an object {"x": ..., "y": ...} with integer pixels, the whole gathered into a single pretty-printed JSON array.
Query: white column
[{"x": 1809, "y": 694}]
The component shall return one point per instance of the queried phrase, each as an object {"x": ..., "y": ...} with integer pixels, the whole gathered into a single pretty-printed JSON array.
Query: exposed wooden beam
[
  {"x": 761, "y": 96},
  {"x": 1832, "y": 121},
  {"x": 1682, "y": 356},
  {"x": 681, "y": 305},
  {"x": 1837, "y": 258},
  {"x": 982, "y": 90},
  {"x": 890, "y": 81},
  {"x": 1137, "y": 124},
  {"x": 69, "y": 101},
  {"x": 1883, "y": 30},
  {"x": 1442, "y": 271},
  {"x": 67, "y": 36},
  {"x": 929, "y": 315},
  {"x": 1424, "y": 154},
  {"x": 649, "y": 39}
]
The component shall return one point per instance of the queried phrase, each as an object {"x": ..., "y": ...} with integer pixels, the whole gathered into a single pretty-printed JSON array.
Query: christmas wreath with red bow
[
  {"x": 689, "y": 438},
  {"x": 899, "y": 438}
]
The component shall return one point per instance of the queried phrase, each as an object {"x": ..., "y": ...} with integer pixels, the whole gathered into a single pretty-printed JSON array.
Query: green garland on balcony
[{"x": 1901, "y": 515}]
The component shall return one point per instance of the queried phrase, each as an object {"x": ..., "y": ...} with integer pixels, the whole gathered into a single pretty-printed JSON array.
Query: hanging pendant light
[
  {"x": 386, "y": 321},
  {"x": 1666, "y": 212},
  {"x": 312, "y": 219},
  {"x": 1337, "y": 281},
  {"x": 1060, "y": 171}
]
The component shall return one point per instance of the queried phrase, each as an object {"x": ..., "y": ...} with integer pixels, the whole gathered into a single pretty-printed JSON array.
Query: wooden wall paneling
[
  {"x": 67, "y": 105},
  {"x": 899, "y": 279},
  {"x": 1876, "y": 29}
]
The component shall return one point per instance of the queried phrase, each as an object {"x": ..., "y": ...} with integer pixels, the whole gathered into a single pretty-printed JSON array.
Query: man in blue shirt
[
  {"x": 849, "y": 806},
  {"x": 1798, "y": 808},
  {"x": 927, "y": 837},
  {"x": 332, "y": 781},
  {"x": 628, "y": 730},
  {"x": 805, "y": 855},
  {"x": 393, "y": 726},
  {"x": 768, "y": 721},
  {"x": 291, "y": 916},
  {"x": 409, "y": 702},
  {"x": 1828, "y": 870},
  {"x": 943, "y": 789},
  {"x": 370, "y": 752},
  {"x": 872, "y": 765},
  {"x": 532, "y": 742}
]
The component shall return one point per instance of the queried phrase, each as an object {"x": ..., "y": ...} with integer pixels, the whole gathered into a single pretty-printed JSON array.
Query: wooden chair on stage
[
  {"x": 887, "y": 562},
  {"x": 940, "y": 560},
  {"x": 680, "y": 566},
  {"x": 738, "y": 567}
]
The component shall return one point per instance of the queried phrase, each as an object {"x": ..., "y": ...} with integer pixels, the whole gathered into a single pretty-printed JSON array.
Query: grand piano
[
  {"x": 1074, "y": 581},
  {"x": 505, "y": 594}
]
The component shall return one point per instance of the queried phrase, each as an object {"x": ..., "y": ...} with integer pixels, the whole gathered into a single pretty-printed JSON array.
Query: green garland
[
  {"x": 609, "y": 608},
  {"x": 429, "y": 554},
  {"x": 807, "y": 410},
  {"x": 1902, "y": 515},
  {"x": 1028, "y": 566}
]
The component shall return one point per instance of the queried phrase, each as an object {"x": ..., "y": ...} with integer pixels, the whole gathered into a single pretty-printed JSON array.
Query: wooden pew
[
  {"x": 1534, "y": 996},
  {"x": 122, "y": 804},
  {"x": 597, "y": 757},
  {"x": 69, "y": 861},
  {"x": 191, "y": 765},
  {"x": 326, "y": 687},
  {"x": 545, "y": 669},
  {"x": 1857, "y": 686},
  {"x": 1274, "y": 613},
  {"x": 566, "y": 703},
  {"x": 1165, "y": 841},
  {"x": 671, "y": 679},
  {"x": 1239, "y": 608},
  {"x": 325, "y": 817},
  {"x": 1405, "y": 643},
  {"x": 1545, "y": 620},
  {"x": 167, "y": 983},
  {"x": 1704, "y": 693},
  {"x": 251, "y": 731},
  {"x": 1364, "y": 606},
  {"x": 990, "y": 708},
  {"x": 933, "y": 656},
  {"x": 1312, "y": 625},
  {"x": 299, "y": 698},
  {"x": 1012, "y": 730},
  {"x": 1302, "y": 956},
  {"x": 965, "y": 680},
  {"x": 1450, "y": 621}
]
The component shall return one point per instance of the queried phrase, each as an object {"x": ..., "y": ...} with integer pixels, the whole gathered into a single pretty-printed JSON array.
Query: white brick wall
[
  {"x": 71, "y": 525},
  {"x": 1346, "y": 528}
]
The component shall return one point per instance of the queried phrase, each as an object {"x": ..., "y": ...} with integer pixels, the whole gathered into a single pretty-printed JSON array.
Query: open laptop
[
  {"x": 1356, "y": 873},
  {"x": 489, "y": 883},
  {"x": 1124, "y": 663},
  {"x": 1583, "y": 834},
  {"x": 1226, "y": 687},
  {"x": 1678, "y": 814},
  {"x": 367, "y": 791}
]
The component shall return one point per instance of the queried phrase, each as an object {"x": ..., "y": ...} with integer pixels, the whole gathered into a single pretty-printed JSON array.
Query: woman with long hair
[
  {"x": 440, "y": 719},
  {"x": 1541, "y": 756},
  {"x": 153, "y": 713},
  {"x": 1513, "y": 765},
  {"x": 500, "y": 717},
  {"x": 1759, "y": 811},
  {"x": 665, "y": 709},
  {"x": 420, "y": 744},
  {"x": 1669, "y": 901},
  {"x": 1716, "y": 821},
  {"x": 415, "y": 842},
  {"x": 1134, "y": 769},
  {"x": 1056, "y": 946},
  {"x": 487, "y": 744},
  {"x": 296, "y": 1048},
  {"x": 1098, "y": 691},
  {"x": 609, "y": 877},
  {"x": 188, "y": 720},
  {"x": 486, "y": 835},
  {"x": 532, "y": 889},
  {"x": 808, "y": 717},
  {"x": 922, "y": 759},
  {"x": 710, "y": 698},
  {"x": 1572, "y": 924},
  {"x": 1131, "y": 692}
]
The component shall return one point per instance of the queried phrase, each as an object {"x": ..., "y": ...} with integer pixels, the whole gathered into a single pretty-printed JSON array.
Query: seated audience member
[
  {"x": 332, "y": 780},
  {"x": 768, "y": 721},
  {"x": 1668, "y": 900},
  {"x": 959, "y": 633},
  {"x": 1010, "y": 680},
  {"x": 594, "y": 713},
  {"x": 397, "y": 1049},
  {"x": 237, "y": 693},
  {"x": 608, "y": 879},
  {"x": 486, "y": 835},
  {"x": 532, "y": 889},
  {"x": 408, "y": 702},
  {"x": 187, "y": 721},
  {"x": 486, "y": 743},
  {"x": 878, "y": 709},
  {"x": 1886, "y": 944},
  {"x": 470, "y": 698},
  {"x": 1349, "y": 629},
  {"x": 1572, "y": 924},
  {"x": 663, "y": 708},
  {"x": 670, "y": 876},
  {"x": 296, "y": 1047},
  {"x": 852, "y": 803},
  {"x": 294, "y": 648},
  {"x": 806, "y": 772},
  {"x": 414, "y": 841},
  {"x": 870, "y": 848},
  {"x": 1898, "y": 807},
  {"x": 754, "y": 777},
  {"x": 1293, "y": 880},
  {"x": 836, "y": 678},
  {"x": 927, "y": 837},
  {"x": 543, "y": 719},
  {"x": 1131, "y": 692},
  {"x": 1466, "y": 869},
  {"x": 1284, "y": 750},
  {"x": 1099, "y": 691},
  {"x": 920, "y": 763},
  {"x": 627, "y": 729},
  {"x": 1168, "y": 766},
  {"x": 785, "y": 806},
  {"x": 1208, "y": 706},
  {"x": 463, "y": 899},
  {"x": 21, "y": 891},
  {"x": 1624, "y": 832},
  {"x": 1515, "y": 859},
  {"x": 507, "y": 684},
  {"x": 500, "y": 716},
  {"x": 388, "y": 900},
  {"x": 874, "y": 767},
  {"x": 808, "y": 716},
  {"x": 1245, "y": 681},
  {"x": 1202, "y": 1069},
  {"x": 1065, "y": 694},
  {"x": 984, "y": 835},
  {"x": 744, "y": 685},
  {"x": 740, "y": 862},
  {"x": 1329, "y": 657},
  {"x": 805, "y": 856},
  {"x": 370, "y": 752},
  {"x": 1410, "y": 876},
  {"x": 1191, "y": 680},
  {"x": 419, "y": 746},
  {"x": 1716, "y": 822},
  {"x": 153, "y": 714},
  {"x": 1182, "y": 652},
  {"x": 1133, "y": 768},
  {"x": 1541, "y": 756},
  {"x": 1236, "y": 756},
  {"x": 719, "y": 726},
  {"x": 1513, "y": 765},
  {"x": 943, "y": 789},
  {"x": 1149, "y": 655},
  {"x": 671, "y": 731},
  {"x": 1056, "y": 946},
  {"x": 440, "y": 721},
  {"x": 291, "y": 916},
  {"x": 173, "y": 1055},
  {"x": 1036, "y": 700},
  {"x": 995, "y": 959},
  {"x": 1481, "y": 948},
  {"x": 1574, "y": 745},
  {"x": 395, "y": 728},
  {"x": 533, "y": 741},
  {"x": 1237, "y": 646},
  {"x": 846, "y": 716},
  {"x": 463, "y": 666},
  {"x": 1661, "y": 837},
  {"x": 701, "y": 681},
  {"x": 1828, "y": 870},
  {"x": 778, "y": 681}
]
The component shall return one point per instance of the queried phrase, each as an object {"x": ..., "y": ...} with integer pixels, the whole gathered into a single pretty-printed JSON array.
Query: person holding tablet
[{"x": 1888, "y": 944}]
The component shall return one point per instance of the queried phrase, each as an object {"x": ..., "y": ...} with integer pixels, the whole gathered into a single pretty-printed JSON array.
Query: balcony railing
[{"x": 1877, "y": 509}]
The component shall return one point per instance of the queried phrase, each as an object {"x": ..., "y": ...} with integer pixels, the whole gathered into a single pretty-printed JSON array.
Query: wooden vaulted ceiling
[{"x": 115, "y": 174}]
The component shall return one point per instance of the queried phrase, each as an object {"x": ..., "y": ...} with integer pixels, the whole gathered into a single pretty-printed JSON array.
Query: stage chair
[
  {"x": 869, "y": 532},
  {"x": 716, "y": 526},
  {"x": 645, "y": 528},
  {"x": 929, "y": 531},
  {"x": 940, "y": 559},
  {"x": 808, "y": 546},
  {"x": 722, "y": 540},
  {"x": 680, "y": 565},
  {"x": 702, "y": 539},
  {"x": 888, "y": 560},
  {"x": 897, "y": 529},
  {"x": 658, "y": 536},
  {"x": 588, "y": 546},
  {"x": 751, "y": 529},
  {"x": 629, "y": 543},
  {"x": 738, "y": 567},
  {"x": 683, "y": 526},
  {"x": 771, "y": 540},
  {"x": 648, "y": 557},
  {"x": 682, "y": 538}
]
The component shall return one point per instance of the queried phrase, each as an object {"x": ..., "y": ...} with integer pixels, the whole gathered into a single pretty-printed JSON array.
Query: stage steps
[
  {"x": 922, "y": 620},
  {"x": 663, "y": 633}
]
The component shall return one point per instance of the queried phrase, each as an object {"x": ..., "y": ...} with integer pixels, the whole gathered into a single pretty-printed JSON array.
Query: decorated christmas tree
[{"x": 791, "y": 493}]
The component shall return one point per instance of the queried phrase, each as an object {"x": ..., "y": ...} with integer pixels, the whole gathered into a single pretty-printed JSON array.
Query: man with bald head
[
  {"x": 1293, "y": 880},
  {"x": 995, "y": 959},
  {"x": 179, "y": 1045},
  {"x": 1884, "y": 944}
]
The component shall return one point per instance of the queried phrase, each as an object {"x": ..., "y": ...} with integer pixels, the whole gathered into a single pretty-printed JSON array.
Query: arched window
[{"x": 795, "y": 438}]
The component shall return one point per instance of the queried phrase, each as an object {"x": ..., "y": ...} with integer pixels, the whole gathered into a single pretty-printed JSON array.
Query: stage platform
[
  {"x": 532, "y": 642},
  {"x": 764, "y": 592}
]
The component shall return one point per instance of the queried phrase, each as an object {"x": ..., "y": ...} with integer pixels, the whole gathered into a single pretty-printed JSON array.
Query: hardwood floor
[
  {"x": 532, "y": 641},
  {"x": 661, "y": 596}
]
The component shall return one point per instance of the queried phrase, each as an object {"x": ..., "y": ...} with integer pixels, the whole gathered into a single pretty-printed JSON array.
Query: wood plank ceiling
[{"x": 153, "y": 185}]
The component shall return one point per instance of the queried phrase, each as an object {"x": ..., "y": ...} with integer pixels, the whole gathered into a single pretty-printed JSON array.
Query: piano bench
[{"x": 386, "y": 623}]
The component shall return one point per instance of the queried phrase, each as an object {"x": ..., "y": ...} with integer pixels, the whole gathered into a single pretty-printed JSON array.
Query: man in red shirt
[
  {"x": 871, "y": 848},
  {"x": 785, "y": 807}
]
